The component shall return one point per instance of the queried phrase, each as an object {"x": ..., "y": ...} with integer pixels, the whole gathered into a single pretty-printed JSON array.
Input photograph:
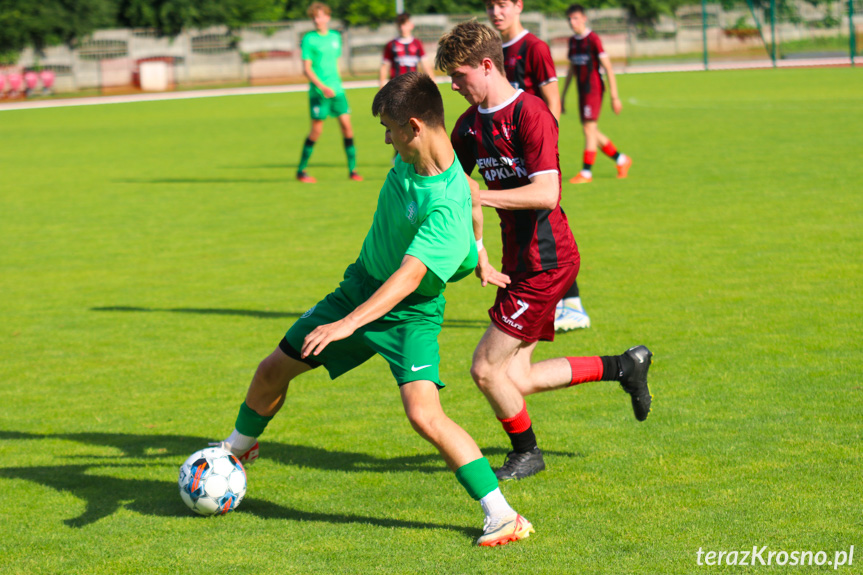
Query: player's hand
[
  {"x": 487, "y": 274},
  {"x": 562, "y": 107},
  {"x": 328, "y": 92},
  {"x": 616, "y": 105},
  {"x": 323, "y": 335}
]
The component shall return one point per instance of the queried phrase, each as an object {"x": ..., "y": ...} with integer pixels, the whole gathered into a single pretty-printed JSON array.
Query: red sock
[
  {"x": 585, "y": 369},
  {"x": 609, "y": 150},
  {"x": 519, "y": 422},
  {"x": 589, "y": 159}
]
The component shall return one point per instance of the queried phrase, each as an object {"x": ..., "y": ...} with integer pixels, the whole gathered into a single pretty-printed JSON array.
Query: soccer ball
[{"x": 212, "y": 481}]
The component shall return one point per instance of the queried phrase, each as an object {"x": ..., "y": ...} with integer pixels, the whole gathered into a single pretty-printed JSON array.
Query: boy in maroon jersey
[
  {"x": 586, "y": 55},
  {"x": 512, "y": 137},
  {"x": 527, "y": 60},
  {"x": 528, "y": 65},
  {"x": 403, "y": 54}
]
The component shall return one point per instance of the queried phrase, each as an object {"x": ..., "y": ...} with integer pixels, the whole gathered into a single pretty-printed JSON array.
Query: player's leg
[
  {"x": 570, "y": 313},
  {"x": 348, "y": 135},
  {"x": 585, "y": 176},
  {"x": 264, "y": 399},
  {"x": 490, "y": 370},
  {"x": 621, "y": 160},
  {"x": 308, "y": 147},
  {"x": 421, "y": 401}
]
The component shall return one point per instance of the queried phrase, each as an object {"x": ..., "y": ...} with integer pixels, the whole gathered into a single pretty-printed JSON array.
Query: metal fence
[{"x": 699, "y": 35}]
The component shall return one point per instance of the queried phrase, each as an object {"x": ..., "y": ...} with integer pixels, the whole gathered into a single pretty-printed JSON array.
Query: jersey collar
[
  {"x": 517, "y": 38},
  {"x": 500, "y": 106},
  {"x": 587, "y": 32}
]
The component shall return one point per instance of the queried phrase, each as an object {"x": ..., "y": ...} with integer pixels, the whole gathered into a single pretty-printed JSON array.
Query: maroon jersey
[
  {"x": 404, "y": 55},
  {"x": 584, "y": 53},
  {"x": 528, "y": 64},
  {"x": 510, "y": 143}
]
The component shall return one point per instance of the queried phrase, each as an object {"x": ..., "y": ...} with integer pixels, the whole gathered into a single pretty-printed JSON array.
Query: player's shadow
[
  {"x": 104, "y": 494},
  {"x": 448, "y": 323}
]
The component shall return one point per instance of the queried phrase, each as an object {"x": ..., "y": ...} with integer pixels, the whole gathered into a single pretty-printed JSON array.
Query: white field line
[{"x": 251, "y": 90}]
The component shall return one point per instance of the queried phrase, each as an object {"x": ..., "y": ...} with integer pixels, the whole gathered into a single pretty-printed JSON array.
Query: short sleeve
[
  {"x": 388, "y": 52},
  {"x": 597, "y": 45},
  {"x": 420, "y": 49},
  {"x": 542, "y": 63},
  {"x": 464, "y": 150},
  {"x": 307, "y": 49},
  {"x": 442, "y": 242},
  {"x": 539, "y": 142}
]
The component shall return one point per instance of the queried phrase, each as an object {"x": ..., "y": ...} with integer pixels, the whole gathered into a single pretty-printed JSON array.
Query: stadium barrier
[{"x": 706, "y": 35}]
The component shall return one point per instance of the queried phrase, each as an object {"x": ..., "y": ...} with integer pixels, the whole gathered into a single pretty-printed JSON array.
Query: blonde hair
[
  {"x": 468, "y": 44},
  {"x": 316, "y": 7}
]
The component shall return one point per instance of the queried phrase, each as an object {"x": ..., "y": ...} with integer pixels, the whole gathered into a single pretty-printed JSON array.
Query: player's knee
[
  {"x": 424, "y": 421},
  {"x": 482, "y": 373},
  {"x": 269, "y": 374}
]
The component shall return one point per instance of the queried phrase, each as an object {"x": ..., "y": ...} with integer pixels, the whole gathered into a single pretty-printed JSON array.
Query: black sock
[
  {"x": 611, "y": 367},
  {"x": 573, "y": 290},
  {"x": 524, "y": 441}
]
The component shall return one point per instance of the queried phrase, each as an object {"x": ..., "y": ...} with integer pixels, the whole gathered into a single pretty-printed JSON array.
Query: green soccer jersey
[
  {"x": 428, "y": 218},
  {"x": 324, "y": 52}
]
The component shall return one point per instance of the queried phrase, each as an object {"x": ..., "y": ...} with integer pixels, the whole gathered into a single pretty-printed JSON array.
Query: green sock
[
  {"x": 351, "y": 152},
  {"x": 249, "y": 422},
  {"x": 477, "y": 478},
  {"x": 308, "y": 148}
]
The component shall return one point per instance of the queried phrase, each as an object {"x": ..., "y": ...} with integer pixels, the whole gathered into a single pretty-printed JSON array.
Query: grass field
[{"x": 152, "y": 253}]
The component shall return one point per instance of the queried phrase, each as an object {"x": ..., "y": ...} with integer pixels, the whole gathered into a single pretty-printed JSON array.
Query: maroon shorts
[
  {"x": 525, "y": 309},
  {"x": 590, "y": 104}
]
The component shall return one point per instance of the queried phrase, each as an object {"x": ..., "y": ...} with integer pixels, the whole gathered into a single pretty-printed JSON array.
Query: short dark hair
[
  {"x": 402, "y": 18},
  {"x": 575, "y": 8},
  {"x": 468, "y": 44},
  {"x": 410, "y": 95}
]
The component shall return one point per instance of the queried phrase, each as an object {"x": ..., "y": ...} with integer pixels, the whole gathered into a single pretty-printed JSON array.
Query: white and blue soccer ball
[{"x": 212, "y": 481}]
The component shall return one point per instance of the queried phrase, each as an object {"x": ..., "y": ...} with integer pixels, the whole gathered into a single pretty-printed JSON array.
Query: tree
[{"x": 50, "y": 22}]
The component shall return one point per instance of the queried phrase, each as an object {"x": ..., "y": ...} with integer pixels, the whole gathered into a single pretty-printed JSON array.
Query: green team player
[
  {"x": 321, "y": 50},
  {"x": 391, "y": 299}
]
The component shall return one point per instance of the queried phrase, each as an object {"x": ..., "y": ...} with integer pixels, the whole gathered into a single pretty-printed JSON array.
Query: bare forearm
[
  {"x": 399, "y": 285},
  {"x": 310, "y": 74},
  {"x": 538, "y": 195},
  {"x": 552, "y": 98}
]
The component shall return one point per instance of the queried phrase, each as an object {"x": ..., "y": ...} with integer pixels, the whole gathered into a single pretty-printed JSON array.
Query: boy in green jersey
[
  {"x": 321, "y": 49},
  {"x": 391, "y": 299}
]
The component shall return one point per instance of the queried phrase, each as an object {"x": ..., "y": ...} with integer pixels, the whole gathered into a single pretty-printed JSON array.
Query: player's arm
[
  {"x": 605, "y": 62},
  {"x": 570, "y": 72},
  {"x": 542, "y": 193},
  {"x": 551, "y": 97},
  {"x": 386, "y": 68},
  {"x": 313, "y": 78},
  {"x": 401, "y": 284}
]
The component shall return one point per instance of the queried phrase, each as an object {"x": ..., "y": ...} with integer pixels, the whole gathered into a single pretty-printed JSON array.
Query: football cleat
[
  {"x": 246, "y": 458},
  {"x": 581, "y": 179},
  {"x": 355, "y": 177},
  {"x": 504, "y": 530},
  {"x": 567, "y": 318},
  {"x": 520, "y": 465},
  {"x": 305, "y": 178},
  {"x": 623, "y": 169},
  {"x": 635, "y": 384}
]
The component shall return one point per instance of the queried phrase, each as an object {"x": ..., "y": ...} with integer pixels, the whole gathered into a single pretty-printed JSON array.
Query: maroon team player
[
  {"x": 527, "y": 60},
  {"x": 403, "y": 54},
  {"x": 528, "y": 65},
  {"x": 586, "y": 55},
  {"x": 512, "y": 137}
]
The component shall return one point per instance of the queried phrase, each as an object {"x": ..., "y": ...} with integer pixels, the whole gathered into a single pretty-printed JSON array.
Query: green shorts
[
  {"x": 406, "y": 336},
  {"x": 322, "y": 108}
]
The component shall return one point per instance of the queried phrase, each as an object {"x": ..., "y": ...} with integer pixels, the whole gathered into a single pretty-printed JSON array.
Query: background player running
[
  {"x": 586, "y": 55},
  {"x": 391, "y": 299},
  {"x": 528, "y": 65},
  {"x": 512, "y": 137},
  {"x": 321, "y": 50},
  {"x": 403, "y": 54}
]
